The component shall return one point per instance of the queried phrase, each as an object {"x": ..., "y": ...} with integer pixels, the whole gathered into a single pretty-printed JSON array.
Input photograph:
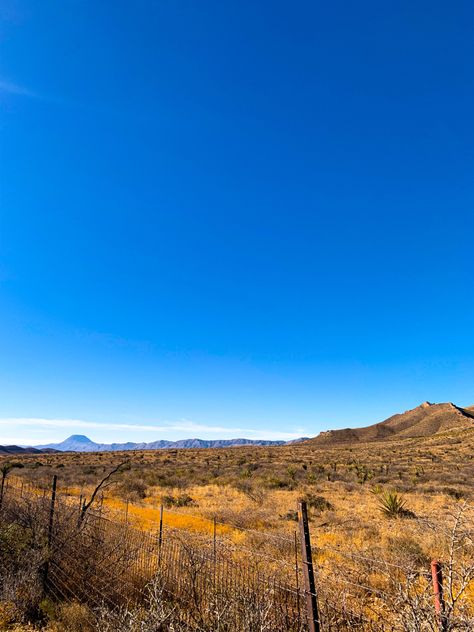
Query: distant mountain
[
  {"x": 425, "y": 420},
  {"x": 16, "y": 449},
  {"x": 80, "y": 443}
]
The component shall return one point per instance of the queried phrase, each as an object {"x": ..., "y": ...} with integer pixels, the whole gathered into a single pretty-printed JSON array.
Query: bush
[
  {"x": 182, "y": 500},
  {"x": 318, "y": 503},
  {"x": 273, "y": 482},
  {"x": 133, "y": 488},
  {"x": 291, "y": 514},
  {"x": 393, "y": 505},
  {"x": 255, "y": 493},
  {"x": 72, "y": 617}
]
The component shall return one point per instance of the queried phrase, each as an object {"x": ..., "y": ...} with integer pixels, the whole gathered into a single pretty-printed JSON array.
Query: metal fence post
[
  {"x": 2, "y": 487},
  {"x": 51, "y": 510},
  {"x": 297, "y": 577},
  {"x": 437, "y": 578},
  {"x": 214, "y": 547},
  {"x": 308, "y": 571},
  {"x": 50, "y": 531},
  {"x": 160, "y": 535}
]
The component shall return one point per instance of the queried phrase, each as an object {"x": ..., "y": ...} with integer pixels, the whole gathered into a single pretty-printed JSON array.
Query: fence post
[
  {"x": 308, "y": 571},
  {"x": 214, "y": 547},
  {"x": 50, "y": 531},
  {"x": 297, "y": 576},
  {"x": 2, "y": 487},
  {"x": 51, "y": 510},
  {"x": 160, "y": 535},
  {"x": 437, "y": 578}
]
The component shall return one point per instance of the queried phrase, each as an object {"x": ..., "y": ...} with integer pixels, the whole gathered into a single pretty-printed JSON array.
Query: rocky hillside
[{"x": 423, "y": 421}]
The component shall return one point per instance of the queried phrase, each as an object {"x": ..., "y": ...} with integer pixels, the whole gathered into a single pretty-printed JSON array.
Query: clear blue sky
[{"x": 233, "y": 218}]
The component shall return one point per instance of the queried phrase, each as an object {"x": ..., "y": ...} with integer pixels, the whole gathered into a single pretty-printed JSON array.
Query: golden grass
[
  {"x": 257, "y": 488},
  {"x": 251, "y": 491}
]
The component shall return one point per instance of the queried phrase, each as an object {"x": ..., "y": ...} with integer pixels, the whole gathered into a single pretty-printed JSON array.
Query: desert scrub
[
  {"x": 181, "y": 500},
  {"x": 72, "y": 617},
  {"x": 393, "y": 505},
  {"x": 317, "y": 503},
  {"x": 132, "y": 489}
]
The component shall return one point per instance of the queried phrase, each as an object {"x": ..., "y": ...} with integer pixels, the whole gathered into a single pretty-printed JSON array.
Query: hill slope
[{"x": 425, "y": 420}]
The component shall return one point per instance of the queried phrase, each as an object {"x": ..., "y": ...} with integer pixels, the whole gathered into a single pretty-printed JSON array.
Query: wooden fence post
[
  {"x": 437, "y": 578},
  {"x": 308, "y": 571}
]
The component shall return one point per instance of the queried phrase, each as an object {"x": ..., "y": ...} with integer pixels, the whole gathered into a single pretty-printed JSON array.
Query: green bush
[{"x": 393, "y": 505}]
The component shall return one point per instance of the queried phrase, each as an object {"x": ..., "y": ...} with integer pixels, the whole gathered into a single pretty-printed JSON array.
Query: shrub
[
  {"x": 273, "y": 482},
  {"x": 181, "y": 500},
  {"x": 257, "y": 494},
  {"x": 291, "y": 514},
  {"x": 318, "y": 503},
  {"x": 408, "y": 552},
  {"x": 133, "y": 488},
  {"x": 393, "y": 505},
  {"x": 73, "y": 617}
]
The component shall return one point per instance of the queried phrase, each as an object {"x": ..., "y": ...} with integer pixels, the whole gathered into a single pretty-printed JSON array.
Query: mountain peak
[
  {"x": 426, "y": 405},
  {"x": 79, "y": 439}
]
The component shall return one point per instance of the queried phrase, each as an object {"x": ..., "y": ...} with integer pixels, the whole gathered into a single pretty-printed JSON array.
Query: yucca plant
[{"x": 393, "y": 505}]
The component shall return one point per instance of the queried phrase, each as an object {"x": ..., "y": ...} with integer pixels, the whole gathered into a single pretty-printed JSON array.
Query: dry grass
[
  {"x": 258, "y": 487},
  {"x": 255, "y": 490}
]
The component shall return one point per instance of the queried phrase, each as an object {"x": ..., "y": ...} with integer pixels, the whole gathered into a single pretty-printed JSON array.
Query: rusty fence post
[
  {"x": 308, "y": 570},
  {"x": 437, "y": 579}
]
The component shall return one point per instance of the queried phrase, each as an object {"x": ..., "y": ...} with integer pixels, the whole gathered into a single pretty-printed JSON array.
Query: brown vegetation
[{"x": 420, "y": 483}]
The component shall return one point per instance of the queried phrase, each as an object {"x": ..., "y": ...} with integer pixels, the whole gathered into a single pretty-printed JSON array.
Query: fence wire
[{"x": 105, "y": 562}]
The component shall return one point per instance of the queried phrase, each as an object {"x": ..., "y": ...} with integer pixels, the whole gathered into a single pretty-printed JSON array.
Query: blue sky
[{"x": 233, "y": 218}]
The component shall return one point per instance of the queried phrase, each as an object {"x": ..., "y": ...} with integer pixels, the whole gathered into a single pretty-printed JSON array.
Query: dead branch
[{"x": 86, "y": 505}]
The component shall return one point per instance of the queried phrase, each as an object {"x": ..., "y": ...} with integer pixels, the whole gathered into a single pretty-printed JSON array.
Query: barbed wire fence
[{"x": 110, "y": 565}]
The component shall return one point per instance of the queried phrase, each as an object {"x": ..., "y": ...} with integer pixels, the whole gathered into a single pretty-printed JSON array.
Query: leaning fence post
[
  {"x": 437, "y": 578},
  {"x": 308, "y": 571}
]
